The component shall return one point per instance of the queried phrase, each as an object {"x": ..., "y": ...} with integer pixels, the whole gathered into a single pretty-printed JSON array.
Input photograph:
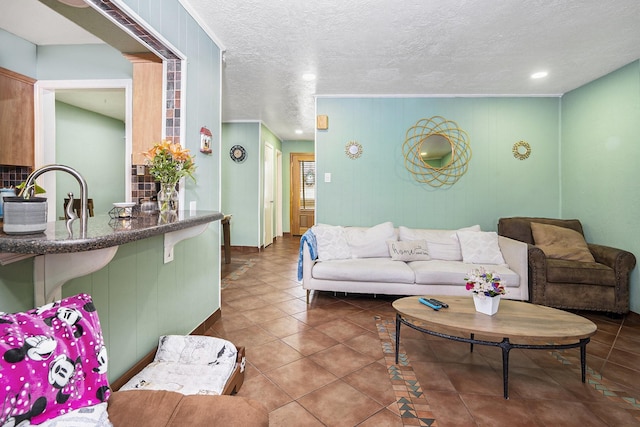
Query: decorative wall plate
[
  {"x": 521, "y": 150},
  {"x": 353, "y": 149},
  {"x": 238, "y": 154}
]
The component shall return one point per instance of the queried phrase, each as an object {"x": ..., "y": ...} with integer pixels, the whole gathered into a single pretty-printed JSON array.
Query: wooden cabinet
[
  {"x": 147, "y": 103},
  {"x": 16, "y": 119}
]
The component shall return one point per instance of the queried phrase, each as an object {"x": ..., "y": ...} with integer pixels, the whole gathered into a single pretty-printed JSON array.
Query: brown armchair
[{"x": 602, "y": 285}]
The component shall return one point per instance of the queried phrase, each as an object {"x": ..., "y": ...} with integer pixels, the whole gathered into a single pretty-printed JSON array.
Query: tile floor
[{"x": 331, "y": 362}]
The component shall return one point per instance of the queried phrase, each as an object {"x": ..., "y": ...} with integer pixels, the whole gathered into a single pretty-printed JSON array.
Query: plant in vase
[
  {"x": 487, "y": 288},
  {"x": 168, "y": 162}
]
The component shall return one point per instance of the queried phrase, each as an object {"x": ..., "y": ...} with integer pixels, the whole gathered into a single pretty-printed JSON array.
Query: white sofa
[{"x": 365, "y": 264}]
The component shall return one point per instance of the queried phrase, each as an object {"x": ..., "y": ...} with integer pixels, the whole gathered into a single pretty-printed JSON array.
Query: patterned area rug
[
  {"x": 413, "y": 405},
  {"x": 237, "y": 272}
]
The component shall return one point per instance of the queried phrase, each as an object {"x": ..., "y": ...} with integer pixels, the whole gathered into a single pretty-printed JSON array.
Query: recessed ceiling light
[
  {"x": 308, "y": 77},
  {"x": 539, "y": 75},
  {"x": 299, "y": 131}
]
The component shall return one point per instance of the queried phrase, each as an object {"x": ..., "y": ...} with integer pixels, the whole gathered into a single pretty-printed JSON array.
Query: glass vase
[{"x": 168, "y": 198}]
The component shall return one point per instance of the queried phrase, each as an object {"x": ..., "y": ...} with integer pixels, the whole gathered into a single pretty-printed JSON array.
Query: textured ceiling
[
  {"x": 409, "y": 47},
  {"x": 392, "y": 47}
]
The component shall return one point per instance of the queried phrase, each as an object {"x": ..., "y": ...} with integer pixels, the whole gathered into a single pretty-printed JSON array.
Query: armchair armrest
[
  {"x": 307, "y": 265},
  {"x": 618, "y": 259}
]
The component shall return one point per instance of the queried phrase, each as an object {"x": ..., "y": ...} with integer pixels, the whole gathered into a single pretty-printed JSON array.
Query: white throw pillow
[
  {"x": 331, "y": 241},
  {"x": 480, "y": 247},
  {"x": 370, "y": 242},
  {"x": 413, "y": 250},
  {"x": 442, "y": 244}
]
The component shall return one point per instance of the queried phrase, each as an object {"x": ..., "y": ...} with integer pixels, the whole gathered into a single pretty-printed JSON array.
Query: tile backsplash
[{"x": 11, "y": 176}]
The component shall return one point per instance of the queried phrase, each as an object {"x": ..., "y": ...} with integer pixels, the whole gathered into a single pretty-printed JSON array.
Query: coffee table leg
[
  {"x": 397, "y": 336},
  {"x": 506, "y": 347},
  {"x": 583, "y": 357}
]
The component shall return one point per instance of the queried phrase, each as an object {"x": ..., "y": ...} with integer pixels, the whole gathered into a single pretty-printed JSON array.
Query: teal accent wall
[
  {"x": 241, "y": 183},
  {"x": 377, "y": 187},
  {"x": 600, "y": 152},
  {"x": 94, "y": 145},
  {"x": 137, "y": 296},
  {"x": 289, "y": 147}
]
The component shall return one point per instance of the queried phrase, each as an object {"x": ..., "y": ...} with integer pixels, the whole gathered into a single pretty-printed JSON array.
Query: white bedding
[{"x": 189, "y": 365}]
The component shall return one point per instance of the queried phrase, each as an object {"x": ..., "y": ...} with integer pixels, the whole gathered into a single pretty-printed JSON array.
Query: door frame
[
  {"x": 293, "y": 179},
  {"x": 45, "y": 127}
]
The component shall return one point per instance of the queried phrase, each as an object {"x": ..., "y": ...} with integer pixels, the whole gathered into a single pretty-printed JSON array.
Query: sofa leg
[{"x": 308, "y": 292}]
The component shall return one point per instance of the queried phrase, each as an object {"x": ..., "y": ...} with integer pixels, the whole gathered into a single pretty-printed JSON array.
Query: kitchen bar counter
[
  {"x": 61, "y": 256},
  {"x": 102, "y": 232}
]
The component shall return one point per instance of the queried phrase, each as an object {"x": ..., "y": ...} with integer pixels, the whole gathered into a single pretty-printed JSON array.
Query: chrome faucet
[{"x": 28, "y": 190}]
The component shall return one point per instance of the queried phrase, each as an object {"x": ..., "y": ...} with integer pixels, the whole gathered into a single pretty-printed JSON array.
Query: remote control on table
[
  {"x": 438, "y": 302},
  {"x": 428, "y": 303}
]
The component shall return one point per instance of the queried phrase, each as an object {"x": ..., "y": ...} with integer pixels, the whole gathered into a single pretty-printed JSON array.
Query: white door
[{"x": 268, "y": 195}]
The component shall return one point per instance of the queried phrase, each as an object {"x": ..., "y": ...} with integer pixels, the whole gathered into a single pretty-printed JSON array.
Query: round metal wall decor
[
  {"x": 521, "y": 150},
  {"x": 353, "y": 149},
  {"x": 446, "y": 168}
]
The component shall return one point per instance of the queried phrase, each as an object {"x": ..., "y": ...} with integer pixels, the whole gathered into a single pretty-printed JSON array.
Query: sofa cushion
[
  {"x": 331, "y": 242},
  {"x": 413, "y": 250},
  {"x": 442, "y": 244},
  {"x": 364, "y": 270},
  {"x": 149, "y": 408},
  {"x": 57, "y": 359},
  {"x": 370, "y": 242},
  {"x": 480, "y": 247},
  {"x": 586, "y": 273},
  {"x": 454, "y": 272},
  {"x": 561, "y": 243}
]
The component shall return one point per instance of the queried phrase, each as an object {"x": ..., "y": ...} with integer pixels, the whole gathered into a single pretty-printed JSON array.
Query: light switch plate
[
  {"x": 139, "y": 170},
  {"x": 327, "y": 177}
]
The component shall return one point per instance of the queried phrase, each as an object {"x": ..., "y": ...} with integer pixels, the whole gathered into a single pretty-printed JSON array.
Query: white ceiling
[{"x": 392, "y": 47}]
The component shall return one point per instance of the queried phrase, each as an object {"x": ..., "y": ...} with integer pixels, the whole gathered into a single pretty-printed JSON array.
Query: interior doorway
[{"x": 303, "y": 192}]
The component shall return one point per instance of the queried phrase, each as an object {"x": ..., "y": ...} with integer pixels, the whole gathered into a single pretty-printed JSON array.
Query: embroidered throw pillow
[
  {"x": 414, "y": 250},
  {"x": 52, "y": 361},
  {"x": 479, "y": 247},
  {"x": 442, "y": 244}
]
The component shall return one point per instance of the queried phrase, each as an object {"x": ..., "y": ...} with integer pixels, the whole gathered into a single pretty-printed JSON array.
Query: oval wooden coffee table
[{"x": 516, "y": 325}]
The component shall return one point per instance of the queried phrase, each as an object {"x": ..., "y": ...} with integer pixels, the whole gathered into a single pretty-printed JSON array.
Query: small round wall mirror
[{"x": 436, "y": 151}]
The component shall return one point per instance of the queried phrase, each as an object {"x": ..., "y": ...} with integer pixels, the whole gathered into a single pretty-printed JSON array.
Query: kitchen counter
[
  {"x": 102, "y": 232},
  {"x": 61, "y": 256}
]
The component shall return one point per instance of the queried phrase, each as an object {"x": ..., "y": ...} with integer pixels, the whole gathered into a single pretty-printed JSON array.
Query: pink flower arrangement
[{"x": 484, "y": 283}]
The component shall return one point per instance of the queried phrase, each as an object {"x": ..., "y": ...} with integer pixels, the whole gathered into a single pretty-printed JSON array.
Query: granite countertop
[{"x": 102, "y": 232}]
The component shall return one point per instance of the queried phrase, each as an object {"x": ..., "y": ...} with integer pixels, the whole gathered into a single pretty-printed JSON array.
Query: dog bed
[{"x": 192, "y": 364}]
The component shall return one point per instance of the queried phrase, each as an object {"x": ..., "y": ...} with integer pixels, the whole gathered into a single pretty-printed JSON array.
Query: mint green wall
[
  {"x": 139, "y": 298},
  {"x": 93, "y": 145},
  {"x": 241, "y": 183},
  {"x": 600, "y": 152},
  {"x": 376, "y": 187},
  {"x": 78, "y": 62},
  {"x": 289, "y": 147},
  {"x": 17, "y": 54}
]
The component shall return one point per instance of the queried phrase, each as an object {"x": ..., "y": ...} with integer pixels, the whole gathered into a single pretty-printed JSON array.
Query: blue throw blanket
[{"x": 309, "y": 239}]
